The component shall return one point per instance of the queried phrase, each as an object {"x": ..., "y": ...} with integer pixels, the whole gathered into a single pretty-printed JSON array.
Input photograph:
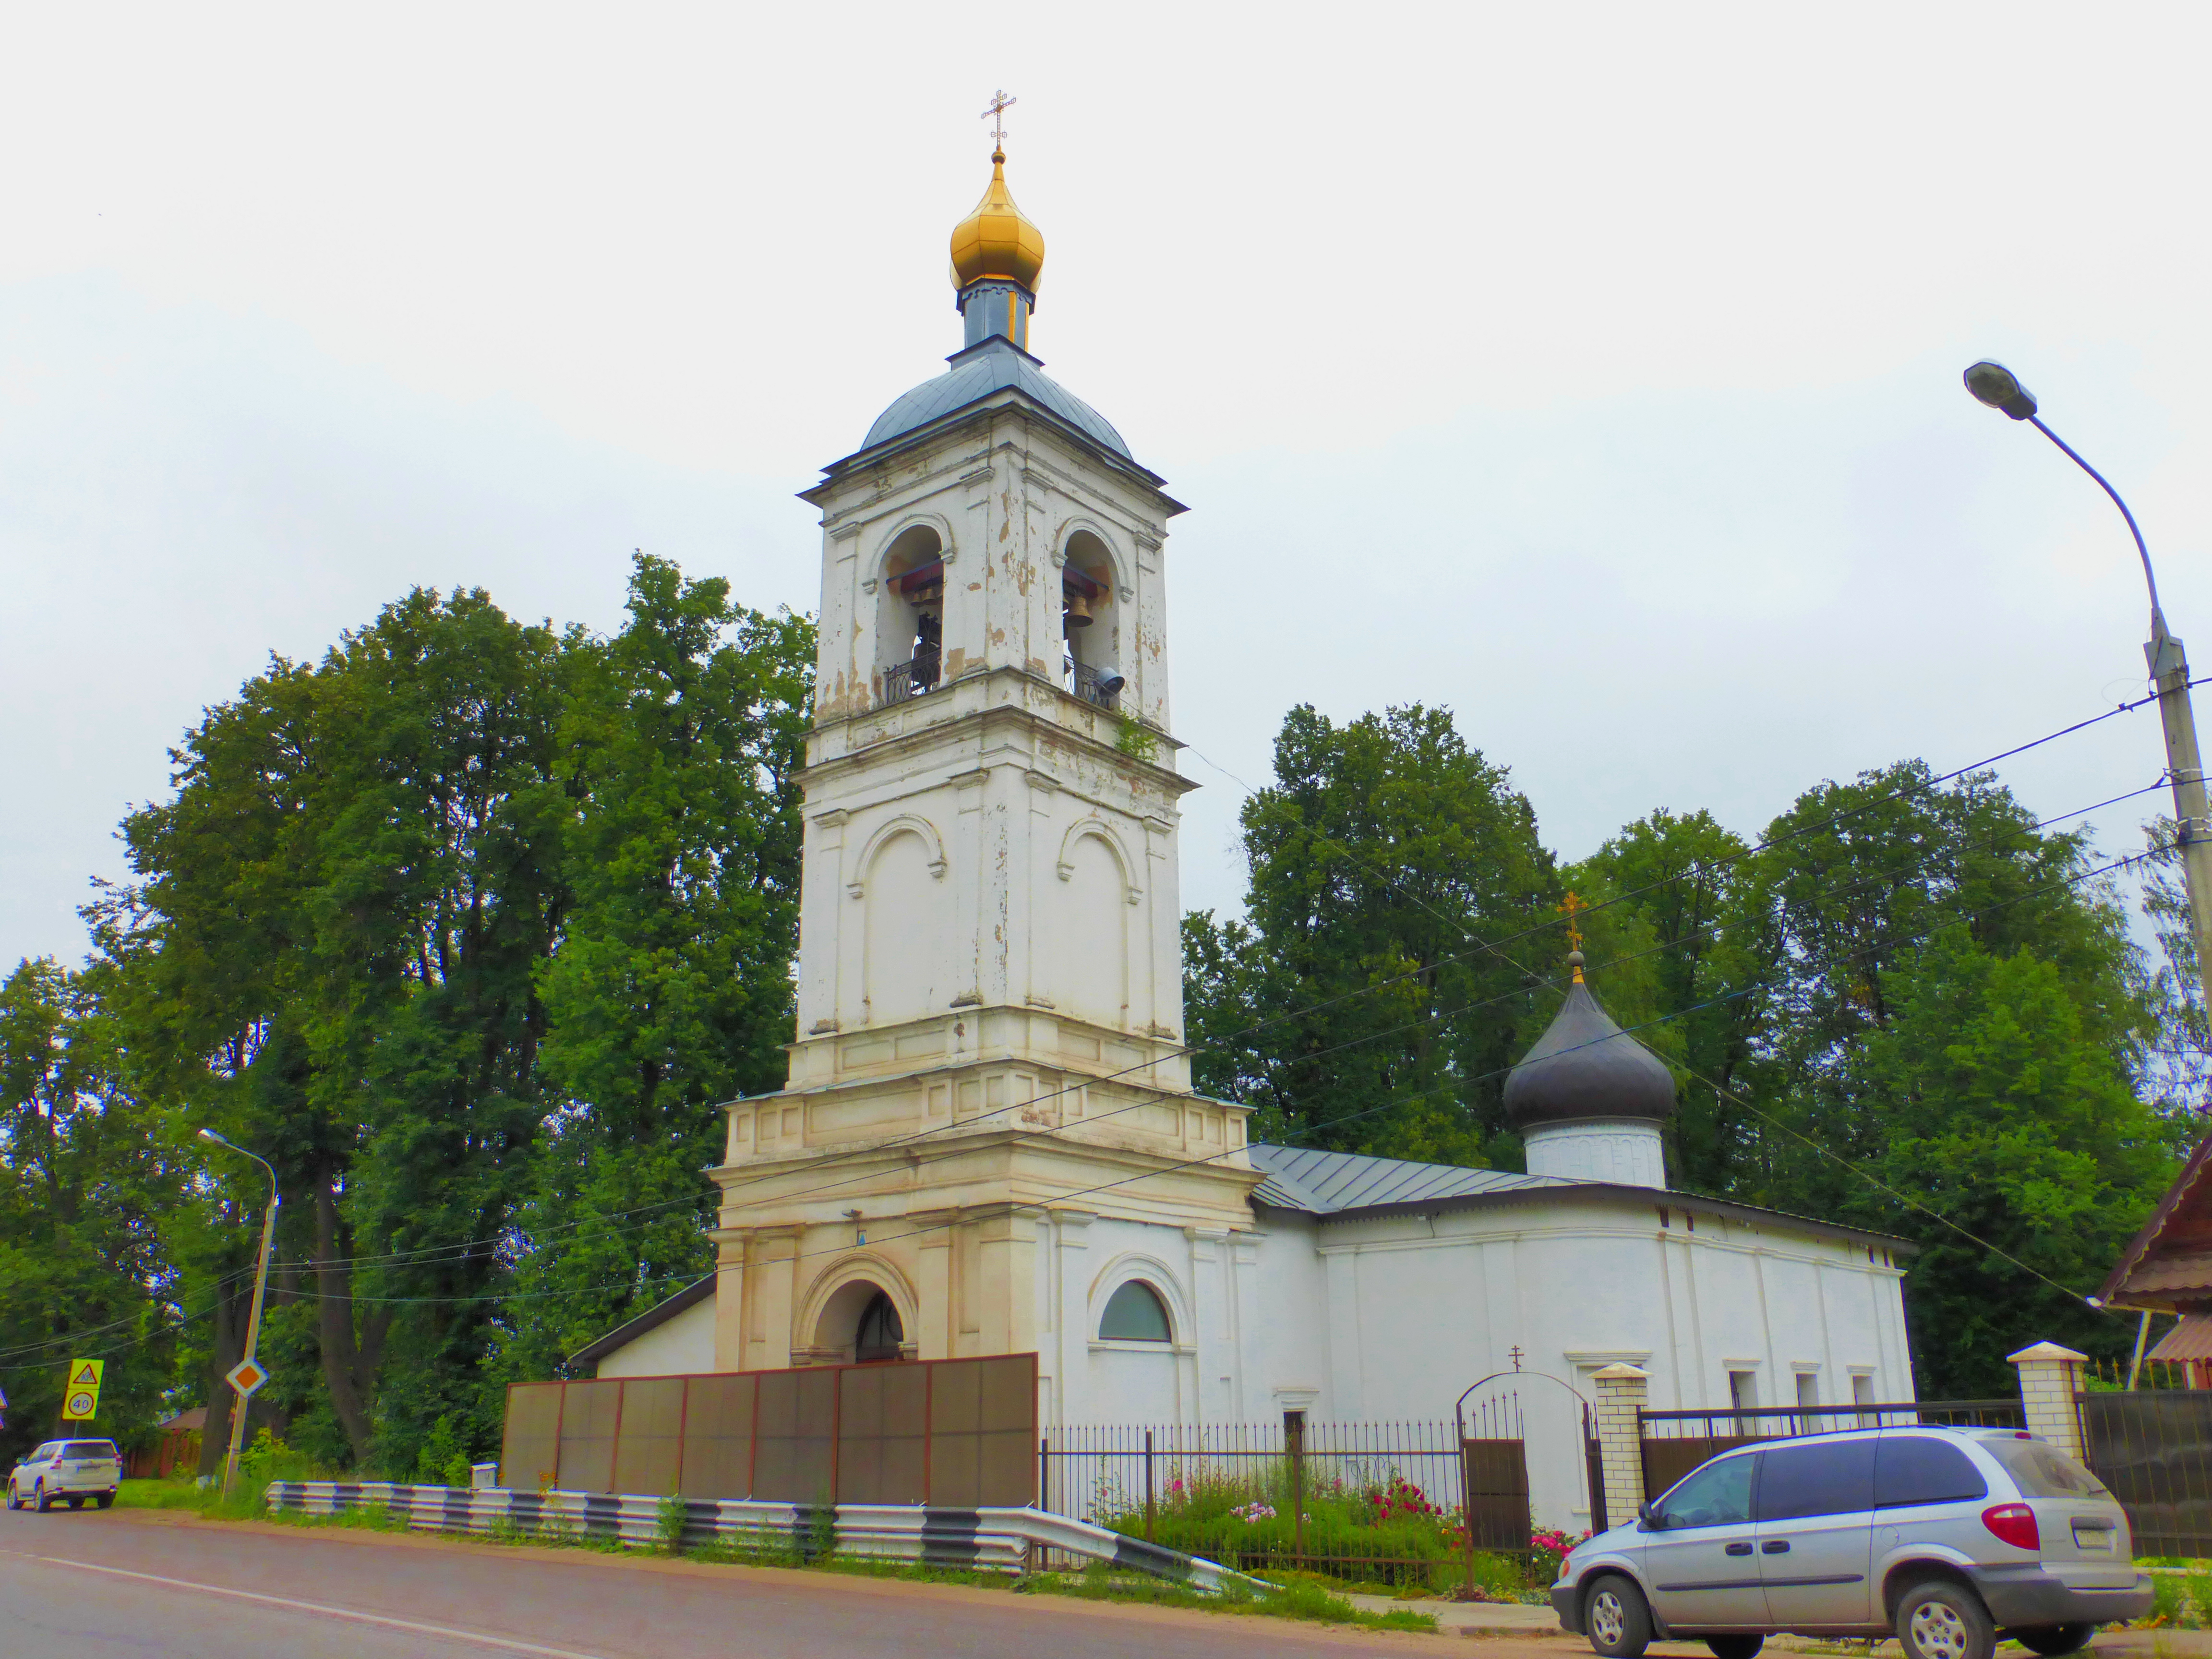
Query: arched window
[
  {"x": 880, "y": 1334},
  {"x": 1135, "y": 1314},
  {"x": 1088, "y": 619},
  {"x": 910, "y": 614}
]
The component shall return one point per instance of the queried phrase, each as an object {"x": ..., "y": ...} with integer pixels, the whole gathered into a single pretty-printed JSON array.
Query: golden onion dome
[{"x": 996, "y": 239}]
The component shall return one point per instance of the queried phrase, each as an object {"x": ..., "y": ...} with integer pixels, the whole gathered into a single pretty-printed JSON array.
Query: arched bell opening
[
  {"x": 1091, "y": 620},
  {"x": 910, "y": 614},
  {"x": 861, "y": 1325}
]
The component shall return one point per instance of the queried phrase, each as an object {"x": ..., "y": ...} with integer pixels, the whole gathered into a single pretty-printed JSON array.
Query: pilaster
[
  {"x": 1622, "y": 1393},
  {"x": 2049, "y": 1380}
]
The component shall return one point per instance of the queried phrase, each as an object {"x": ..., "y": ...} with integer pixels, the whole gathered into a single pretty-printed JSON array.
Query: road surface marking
[{"x": 446, "y": 1631}]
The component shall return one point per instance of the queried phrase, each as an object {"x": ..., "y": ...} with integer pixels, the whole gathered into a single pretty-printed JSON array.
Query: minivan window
[
  {"x": 89, "y": 1449},
  {"x": 1834, "y": 1477},
  {"x": 1918, "y": 1468},
  {"x": 1717, "y": 1495},
  {"x": 2039, "y": 1469}
]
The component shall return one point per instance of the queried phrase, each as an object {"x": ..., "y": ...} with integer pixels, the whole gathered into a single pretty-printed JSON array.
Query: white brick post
[
  {"x": 1621, "y": 1392},
  {"x": 2050, "y": 1378}
]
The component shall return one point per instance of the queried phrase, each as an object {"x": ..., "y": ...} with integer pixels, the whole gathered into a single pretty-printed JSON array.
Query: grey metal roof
[
  {"x": 1324, "y": 1183},
  {"x": 996, "y": 365}
]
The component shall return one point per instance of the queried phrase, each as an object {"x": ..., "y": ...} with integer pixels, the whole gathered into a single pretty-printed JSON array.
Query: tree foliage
[
  {"x": 466, "y": 928},
  {"x": 1907, "y": 1007}
]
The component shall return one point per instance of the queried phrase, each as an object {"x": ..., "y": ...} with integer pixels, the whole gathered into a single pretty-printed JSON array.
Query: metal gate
[{"x": 2153, "y": 1448}]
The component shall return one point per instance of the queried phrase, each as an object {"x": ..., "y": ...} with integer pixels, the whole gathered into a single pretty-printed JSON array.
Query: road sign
[
  {"x": 246, "y": 1376},
  {"x": 81, "y": 1399}
]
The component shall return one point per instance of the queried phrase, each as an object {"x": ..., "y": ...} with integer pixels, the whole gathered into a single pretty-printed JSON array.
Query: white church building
[{"x": 988, "y": 1142}]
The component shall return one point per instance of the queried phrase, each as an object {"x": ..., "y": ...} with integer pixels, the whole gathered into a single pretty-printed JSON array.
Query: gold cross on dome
[
  {"x": 996, "y": 115},
  {"x": 1571, "y": 907}
]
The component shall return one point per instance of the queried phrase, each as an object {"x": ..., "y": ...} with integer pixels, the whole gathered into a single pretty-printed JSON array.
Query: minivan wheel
[
  {"x": 2054, "y": 1640},
  {"x": 1618, "y": 1620},
  {"x": 1942, "y": 1621},
  {"x": 1736, "y": 1647}
]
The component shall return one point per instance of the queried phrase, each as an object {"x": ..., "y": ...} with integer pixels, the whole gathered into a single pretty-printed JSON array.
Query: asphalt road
[{"x": 92, "y": 1584}]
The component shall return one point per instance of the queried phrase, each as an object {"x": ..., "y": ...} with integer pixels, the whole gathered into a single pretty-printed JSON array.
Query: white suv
[
  {"x": 1949, "y": 1539},
  {"x": 66, "y": 1470}
]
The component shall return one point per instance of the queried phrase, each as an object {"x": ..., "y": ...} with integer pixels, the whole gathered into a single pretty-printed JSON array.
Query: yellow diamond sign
[
  {"x": 81, "y": 1399},
  {"x": 246, "y": 1376}
]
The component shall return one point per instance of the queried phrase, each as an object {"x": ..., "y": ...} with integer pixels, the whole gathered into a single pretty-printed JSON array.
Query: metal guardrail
[{"x": 991, "y": 1539}]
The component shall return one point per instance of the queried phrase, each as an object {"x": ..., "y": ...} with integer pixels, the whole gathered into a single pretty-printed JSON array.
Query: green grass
[{"x": 2184, "y": 1600}]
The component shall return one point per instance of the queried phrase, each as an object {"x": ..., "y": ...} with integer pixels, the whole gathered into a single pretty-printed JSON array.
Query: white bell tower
[{"x": 990, "y": 986}]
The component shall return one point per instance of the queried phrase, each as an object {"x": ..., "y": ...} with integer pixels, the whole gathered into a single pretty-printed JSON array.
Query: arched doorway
[
  {"x": 880, "y": 1335},
  {"x": 860, "y": 1323}
]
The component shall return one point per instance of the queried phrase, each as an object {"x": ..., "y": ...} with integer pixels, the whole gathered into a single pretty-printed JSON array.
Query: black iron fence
[
  {"x": 1676, "y": 1442},
  {"x": 1380, "y": 1501}
]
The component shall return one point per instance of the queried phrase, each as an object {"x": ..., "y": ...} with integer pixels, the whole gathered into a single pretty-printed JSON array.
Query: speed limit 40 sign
[{"x": 81, "y": 1399}]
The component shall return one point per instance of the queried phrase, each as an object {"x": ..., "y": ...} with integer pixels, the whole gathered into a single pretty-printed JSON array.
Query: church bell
[{"x": 1076, "y": 612}]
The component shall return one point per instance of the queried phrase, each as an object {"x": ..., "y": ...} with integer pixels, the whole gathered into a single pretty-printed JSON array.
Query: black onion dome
[{"x": 1586, "y": 1066}]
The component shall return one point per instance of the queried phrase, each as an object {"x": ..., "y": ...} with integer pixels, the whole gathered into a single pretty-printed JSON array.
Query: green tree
[
  {"x": 1387, "y": 862},
  {"x": 2003, "y": 1111},
  {"x": 672, "y": 992},
  {"x": 1689, "y": 881},
  {"x": 82, "y": 1182}
]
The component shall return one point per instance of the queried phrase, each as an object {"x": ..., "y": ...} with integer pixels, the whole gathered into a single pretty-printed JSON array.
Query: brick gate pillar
[
  {"x": 2050, "y": 1377},
  {"x": 1621, "y": 1392}
]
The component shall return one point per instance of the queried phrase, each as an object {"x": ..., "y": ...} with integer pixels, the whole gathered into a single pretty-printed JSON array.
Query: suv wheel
[
  {"x": 105, "y": 1500},
  {"x": 2054, "y": 1640},
  {"x": 1736, "y": 1647},
  {"x": 1942, "y": 1621},
  {"x": 13, "y": 1502},
  {"x": 1618, "y": 1620},
  {"x": 39, "y": 1501}
]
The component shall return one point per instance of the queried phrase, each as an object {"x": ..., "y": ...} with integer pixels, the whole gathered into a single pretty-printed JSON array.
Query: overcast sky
[{"x": 1592, "y": 371}]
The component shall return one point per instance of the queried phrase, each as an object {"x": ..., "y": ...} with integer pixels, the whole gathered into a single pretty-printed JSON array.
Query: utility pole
[
  {"x": 1996, "y": 385},
  {"x": 251, "y": 1363}
]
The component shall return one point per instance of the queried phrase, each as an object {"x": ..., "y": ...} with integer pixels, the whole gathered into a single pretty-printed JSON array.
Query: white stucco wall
[{"x": 679, "y": 1346}]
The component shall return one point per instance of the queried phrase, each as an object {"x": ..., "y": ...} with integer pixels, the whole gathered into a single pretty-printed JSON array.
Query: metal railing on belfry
[
  {"x": 1083, "y": 680},
  {"x": 911, "y": 679}
]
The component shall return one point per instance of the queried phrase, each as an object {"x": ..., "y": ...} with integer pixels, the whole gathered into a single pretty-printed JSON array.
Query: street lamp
[
  {"x": 253, "y": 1319},
  {"x": 1997, "y": 386}
]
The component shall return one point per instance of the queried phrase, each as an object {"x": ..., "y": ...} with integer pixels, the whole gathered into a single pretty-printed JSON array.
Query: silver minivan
[{"x": 1949, "y": 1539}]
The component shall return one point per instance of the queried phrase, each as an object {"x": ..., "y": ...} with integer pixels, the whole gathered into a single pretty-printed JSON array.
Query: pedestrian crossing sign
[{"x": 81, "y": 1399}]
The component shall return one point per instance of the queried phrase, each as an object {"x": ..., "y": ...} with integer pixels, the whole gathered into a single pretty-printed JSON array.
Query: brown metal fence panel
[
  {"x": 982, "y": 1432},
  {"x": 2153, "y": 1448},
  {"x": 591, "y": 1412},
  {"x": 1496, "y": 1482},
  {"x": 718, "y": 1435},
  {"x": 883, "y": 1428},
  {"x": 646, "y": 1451},
  {"x": 955, "y": 1432},
  {"x": 530, "y": 1448},
  {"x": 795, "y": 1437}
]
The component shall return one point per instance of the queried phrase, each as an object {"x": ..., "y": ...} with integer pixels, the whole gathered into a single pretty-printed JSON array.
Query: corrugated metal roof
[
  {"x": 2191, "y": 1339},
  {"x": 994, "y": 366},
  {"x": 1324, "y": 1183}
]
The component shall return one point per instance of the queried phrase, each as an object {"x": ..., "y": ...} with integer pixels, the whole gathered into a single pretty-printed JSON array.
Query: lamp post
[
  {"x": 252, "y": 1318},
  {"x": 1996, "y": 385}
]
